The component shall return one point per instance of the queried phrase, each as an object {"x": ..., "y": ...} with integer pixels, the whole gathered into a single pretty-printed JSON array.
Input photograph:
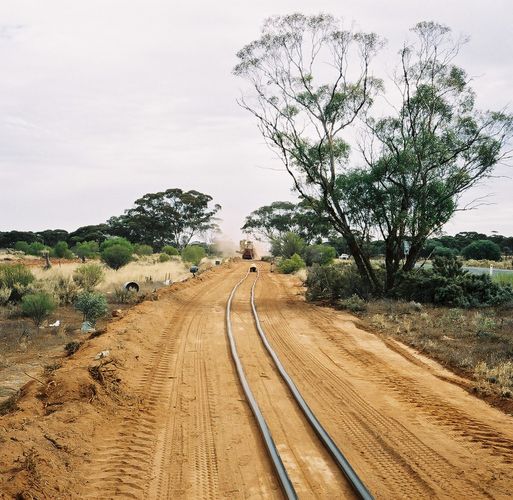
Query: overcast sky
[{"x": 102, "y": 101}]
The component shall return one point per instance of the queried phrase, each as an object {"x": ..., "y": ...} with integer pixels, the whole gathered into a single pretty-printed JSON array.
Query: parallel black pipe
[
  {"x": 326, "y": 439},
  {"x": 285, "y": 482}
]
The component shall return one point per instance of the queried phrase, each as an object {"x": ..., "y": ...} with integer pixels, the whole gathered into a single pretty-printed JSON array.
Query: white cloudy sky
[{"x": 102, "y": 101}]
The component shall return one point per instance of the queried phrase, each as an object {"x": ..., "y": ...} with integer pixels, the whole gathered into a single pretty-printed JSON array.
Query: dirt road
[{"x": 407, "y": 428}]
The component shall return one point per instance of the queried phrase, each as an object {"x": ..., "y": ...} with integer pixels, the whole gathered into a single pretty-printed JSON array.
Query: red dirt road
[{"x": 181, "y": 428}]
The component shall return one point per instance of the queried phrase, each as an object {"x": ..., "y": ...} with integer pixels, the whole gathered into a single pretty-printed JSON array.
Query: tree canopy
[
  {"x": 311, "y": 81},
  {"x": 171, "y": 217}
]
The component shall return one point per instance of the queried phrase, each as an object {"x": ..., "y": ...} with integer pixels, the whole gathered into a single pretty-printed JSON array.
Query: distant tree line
[
  {"x": 167, "y": 218},
  {"x": 294, "y": 227}
]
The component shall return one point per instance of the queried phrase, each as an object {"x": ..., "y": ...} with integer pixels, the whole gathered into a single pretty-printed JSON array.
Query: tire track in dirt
[
  {"x": 407, "y": 465},
  {"x": 169, "y": 448}
]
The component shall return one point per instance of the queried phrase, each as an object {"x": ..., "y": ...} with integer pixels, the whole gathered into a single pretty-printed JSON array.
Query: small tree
[
  {"x": 287, "y": 245},
  {"x": 62, "y": 251},
  {"x": 482, "y": 249},
  {"x": 38, "y": 306},
  {"x": 193, "y": 254},
  {"x": 116, "y": 256},
  {"x": 164, "y": 257},
  {"x": 319, "y": 254},
  {"x": 86, "y": 249},
  {"x": 92, "y": 305},
  {"x": 88, "y": 276}
]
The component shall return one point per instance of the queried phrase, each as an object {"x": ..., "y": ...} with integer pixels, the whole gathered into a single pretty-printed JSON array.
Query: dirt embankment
[{"x": 163, "y": 415}]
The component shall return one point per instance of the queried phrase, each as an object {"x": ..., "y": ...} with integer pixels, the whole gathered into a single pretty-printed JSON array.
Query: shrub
[
  {"x": 482, "y": 249},
  {"x": 336, "y": 281},
  {"x": 88, "y": 276},
  {"x": 17, "y": 278},
  {"x": 22, "y": 246},
  {"x": 86, "y": 249},
  {"x": 124, "y": 296},
  {"x": 295, "y": 263},
  {"x": 36, "y": 248},
  {"x": 287, "y": 245},
  {"x": 5, "y": 295},
  {"x": 62, "y": 251},
  {"x": 164, "y": 257},
  {"x": 169, "y": 250},
  {"x": 72, "y": 347},
  {"x": 92, "y": 305},
  {"x": 38, "y": 306},
  {"x": 143, "y": 249},
  {"x": 319, "y": 254},
  {"x": 116, "y": 256},
  {"x": 193, "y": 254},
  {"x": 354, "y": 304},
  {"x": 117, "y": 241},
  {"x": 65, "y": 290},
  {"x": 447, "y": 284},
  {"x": 441, "y": 251}
]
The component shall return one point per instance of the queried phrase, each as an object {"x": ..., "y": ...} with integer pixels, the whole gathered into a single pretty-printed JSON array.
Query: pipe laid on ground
[
  {"x": 357, "y": 484},
  {"x": 285, "y": 482}
]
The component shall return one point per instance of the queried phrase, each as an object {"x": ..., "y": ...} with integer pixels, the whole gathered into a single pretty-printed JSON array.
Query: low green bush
[
  {"x": 334, "y": 282},
  {"x": 62, "y": 251},
  {"x": 16, "y": 278},
  {"x": 319, "y": 254},
  {"x": 288, "y": 266},
  {"x": 88, "y": 276},
  {"x": 448, "y": 284},
  {"x": 193, "y": 254},
  {"x": 86, "y": 249},
  {"x": 116, "y": 256},
  {"x": 143, "y": 250},
  {"x": 164, "y": 257},
  {"x": 65, "y": 290},
  {"x": 38, "y": 306},
  {"x": 354, "y": 304},
  {"x": 170, "y": 250},
  {"x": 92, "y": 305}
]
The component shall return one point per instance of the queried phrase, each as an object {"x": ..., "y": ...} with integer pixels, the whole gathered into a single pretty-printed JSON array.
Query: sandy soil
[{"x": 163, "y": 416}]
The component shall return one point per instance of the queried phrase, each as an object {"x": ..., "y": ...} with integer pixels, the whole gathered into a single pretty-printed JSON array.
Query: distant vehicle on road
[
  {"x": 343, "y": 256},
  {"x": 247, "y": 249}
]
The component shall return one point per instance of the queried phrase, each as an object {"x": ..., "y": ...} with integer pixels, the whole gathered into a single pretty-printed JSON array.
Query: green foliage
[
  {"x": 441, "y": 251},
  {"x": 38, "y": 306},
  {"x": 273, "y": 221},
  {"x": 193, "y": 254},
  {"x": 22, "y": 246},
  {"x": 336, "y": 282},
  {"x": 354, "y": 304},
  {"x": 92, "y": 305},
  {"x": 482, "y": 249},
  {"x": 16, "y": 274},
  {"x": 117, "y": 241},
  {"x": 16, "y": 278},
  {"x": 447, "y": 284},
  {"x": 116, "y": 255},
  {"x": 319, "y": 254},
  {"x": 34, "y": 248},
  {"x": 61, "y": 250},
  {"x": 164, "y": 257},
  {"x": 168, "y": 217},
  {"x": 288, "y": 266},
  {"x": 86, "y": 249},
  {"x": 287, "y": 245},
  {"x": 124, "y": 296},
  {"x": 65, "y": 290},
  {"x": 88, "y": 276},
  {"x": 5, "y": 295},
  {"x": 143, "y": 249},
  {"x": 170, "y": 250}
]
